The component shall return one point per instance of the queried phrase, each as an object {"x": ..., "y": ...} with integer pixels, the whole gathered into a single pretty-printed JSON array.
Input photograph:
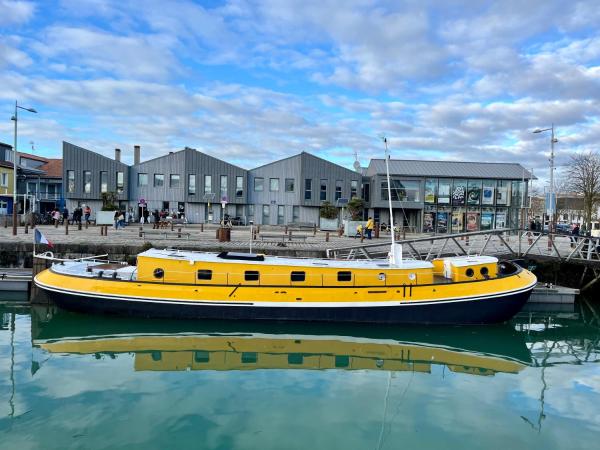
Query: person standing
[{"x": 369, "y": 227}]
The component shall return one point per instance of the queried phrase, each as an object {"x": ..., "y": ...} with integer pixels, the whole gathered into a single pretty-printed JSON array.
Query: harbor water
[{"x": 76, "y": 381}]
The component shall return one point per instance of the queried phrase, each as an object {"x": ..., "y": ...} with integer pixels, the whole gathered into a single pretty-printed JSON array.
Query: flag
[{"x": 41, "y": 239}]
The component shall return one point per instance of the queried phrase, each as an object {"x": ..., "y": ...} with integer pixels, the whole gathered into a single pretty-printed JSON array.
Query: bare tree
[{"x": 583, "y": 174}]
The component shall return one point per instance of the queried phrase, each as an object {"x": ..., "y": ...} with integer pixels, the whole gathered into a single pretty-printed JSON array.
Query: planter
[
  {"x": 105, "y": 217},
  {"x": 350, "y": 226},
  {"x": 328, "y": 224}
]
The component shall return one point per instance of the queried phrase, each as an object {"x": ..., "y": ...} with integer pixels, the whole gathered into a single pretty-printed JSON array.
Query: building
[
  {"x": 291, "y": 190},
  {"x": 39, "y": 182},
  {"x": 447, "y": 196},
  {"x": 429, "y": 196},
  {"x": 6, "y": 187}
]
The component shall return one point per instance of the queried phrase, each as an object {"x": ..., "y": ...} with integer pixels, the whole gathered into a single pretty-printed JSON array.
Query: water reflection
[{"x": 174, "y": 346}]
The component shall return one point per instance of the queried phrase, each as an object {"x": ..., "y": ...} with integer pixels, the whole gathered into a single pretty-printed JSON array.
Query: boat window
[
  {"x": 159, "y": 273},
  {"x": 298, "y": 276},
  {"x": 156, "y": 356},
  {"x": 484, "y": 271},
  {"x": 251, "y": 275},
  {"x": 295, "y": 358},
  {"x": 342, "y": 361},
  {"x": 344, "y": 276},
  {"x": 469, "y": 272},
  {"x": 205, "y": 274},
  {"x": 201, "y": 356},
  {"x": 249, "y": 357}
]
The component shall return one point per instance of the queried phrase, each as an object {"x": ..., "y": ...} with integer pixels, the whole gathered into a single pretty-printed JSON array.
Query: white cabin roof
[
  {"x": 285, "y": 261},
  {"x": 463, "y": 261}
]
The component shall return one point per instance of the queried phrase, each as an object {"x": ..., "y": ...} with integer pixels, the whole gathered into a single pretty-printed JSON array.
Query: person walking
[
  {"x": 369, "y": 227},
  {"x": 65, "y": 215},
  {"x": 574, "y": 235},
  {"x": 87, "y": 211}
]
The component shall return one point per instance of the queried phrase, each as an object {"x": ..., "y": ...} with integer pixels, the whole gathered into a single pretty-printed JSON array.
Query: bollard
[
  {"x": 285, "y": 231},
  {"x": 101, "y": 230},
  {"x": 55, "y": 223},
  {"x": 86, "y": 224},
  {"x": 315, "y": 229},
  {"x": 404, "y": 233},
  {"x": 290, "y": 236},
  {"x": 201, "y": 228},
  {"x": 257, "y": 229},
  {"x": 140, "y": 232},
  {"x": 327, "y": 237},
  {"x": 79, "y": 226},
  {"x": 340, "y": 231},
  {"x": 172, "y": 226},
  {"x": 253, "y": 235},
  {"x": 467, "y": 240},
  {"x": 549, "y": 242},
  {"x": 26, "y": 228},
  {"x": 67, "y": 227},
  {"x": 376, "y": 230},
  {"x": 179, "y": 232},
  {"x": 6, "y": 222},
  {"x": 362, "y": 237}
]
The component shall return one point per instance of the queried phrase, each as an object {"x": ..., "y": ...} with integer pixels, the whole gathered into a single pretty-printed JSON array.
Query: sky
[{"x": 254, "y": 81}]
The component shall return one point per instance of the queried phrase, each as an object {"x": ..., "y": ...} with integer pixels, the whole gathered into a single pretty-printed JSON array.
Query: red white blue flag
[{"x": 41, "y": 239}]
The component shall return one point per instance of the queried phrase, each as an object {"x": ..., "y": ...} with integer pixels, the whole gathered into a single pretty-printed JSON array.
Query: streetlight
[
  {"x": 553, "y": 140},
  {"x": 15, "y": 118}
]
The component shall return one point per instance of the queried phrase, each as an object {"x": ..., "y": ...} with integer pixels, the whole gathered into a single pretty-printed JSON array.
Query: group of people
[
  {"x": 81, "y": 213},
  {"x": 367, "y": 229}
]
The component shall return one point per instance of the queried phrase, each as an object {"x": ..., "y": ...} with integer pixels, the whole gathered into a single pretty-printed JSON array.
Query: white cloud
[{"x": 15, "y": 12}]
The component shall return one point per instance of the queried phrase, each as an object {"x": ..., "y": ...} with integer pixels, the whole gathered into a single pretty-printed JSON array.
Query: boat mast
[{"x": 389, "y": 189}]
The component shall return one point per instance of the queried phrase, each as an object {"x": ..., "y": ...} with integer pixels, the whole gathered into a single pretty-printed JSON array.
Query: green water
[{"x": 71, "y": 381}]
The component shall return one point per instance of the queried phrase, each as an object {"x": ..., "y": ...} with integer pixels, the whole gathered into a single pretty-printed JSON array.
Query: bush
[
  {"x": 328, "y": 211},
  {"x": 356, "y": 207},
  {"x": 108, "y": 201}
]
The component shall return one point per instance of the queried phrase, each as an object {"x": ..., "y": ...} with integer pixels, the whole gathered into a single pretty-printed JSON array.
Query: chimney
[
  {"x": 118, "y": 154},
  {"x": 136, "y": 154}
]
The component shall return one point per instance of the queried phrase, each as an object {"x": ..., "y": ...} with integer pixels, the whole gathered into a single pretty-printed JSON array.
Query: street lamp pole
[{"x": 14, "y": 214}]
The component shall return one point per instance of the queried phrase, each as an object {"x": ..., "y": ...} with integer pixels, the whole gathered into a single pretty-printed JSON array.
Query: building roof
[
  {"x": 450, "y": 169},
  {"x": 53, "y": 168},
  {"x": 6, "y": 164}
]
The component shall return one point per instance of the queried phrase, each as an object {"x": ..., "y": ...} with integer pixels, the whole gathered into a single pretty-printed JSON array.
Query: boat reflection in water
[{"x": 176, "y": 345}]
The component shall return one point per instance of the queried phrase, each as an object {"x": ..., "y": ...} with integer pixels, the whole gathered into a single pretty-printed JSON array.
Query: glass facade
[
  {"x": 191, "y": 184},
  {"x": 402, "y": 191},
  {"x": 120, "y": 182},
  {"x": 467, "y": 205},
  {"x": 289, "y": 185},
  {"x": 239, "y": 187},
  {"x": 208, "y": 184}
]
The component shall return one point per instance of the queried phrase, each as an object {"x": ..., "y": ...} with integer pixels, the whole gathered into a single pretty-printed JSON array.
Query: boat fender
[{"x": 100, "y": 273}]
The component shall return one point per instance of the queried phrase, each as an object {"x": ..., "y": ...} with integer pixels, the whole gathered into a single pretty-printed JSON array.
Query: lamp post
[
  {"x": 553, "y": 140},
  {"x": 15, "y": 118}
]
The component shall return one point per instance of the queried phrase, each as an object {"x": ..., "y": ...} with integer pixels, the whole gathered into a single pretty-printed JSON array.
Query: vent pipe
[
  {"x": 118, "y": 154},
  {"x": 136, "y": 154}
]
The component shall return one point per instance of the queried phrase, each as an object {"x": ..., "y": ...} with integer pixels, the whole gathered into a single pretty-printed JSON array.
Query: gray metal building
[
  {"x": 291, "y": 190},
  {"x": 444, "y": 196}
]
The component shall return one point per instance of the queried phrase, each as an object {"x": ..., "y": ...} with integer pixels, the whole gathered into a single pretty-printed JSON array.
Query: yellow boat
[{"x": 185, "y": 284}]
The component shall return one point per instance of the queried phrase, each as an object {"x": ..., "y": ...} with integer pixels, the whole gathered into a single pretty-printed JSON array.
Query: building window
[
  {"x": 103, "y": 181},
  {"x": 70, "y": 181},
  {"x": 353, "y": 188},
  {"x": 298, "y": 276},
  {"x": 295, "y": 213},
  {"x": 430, "y": 190},
  {"x": 307, "y": 189},
  {"x": 120, "y": 182},
  {"x": 159, "y": 180},
  {"x": 474, "y": 192},
  {"x": 459, "y": 192},
  {"x": 367, "y": 192},
  {"x": 251, "y": 212},
  {"x": 251, "y": 275},
  {"x": 207, "y": 184},
  {"x": 259, "y": 184},
  {"x": 87, "y": 181},
  {"x": 239, "y": 186},
  {"x": 223, "y": 190},
  {"x": 142, "y": 179},
  {"x": 4, "y": 180},
  {"x": 274, "y": 184},
  {"x": 174, "y": 180},
  {"x": 192, "y": 184},
  {"x": 266, "y": 213},
  {"x": 323, "y": 191},
  {"x": 338, "y": 189},
  {"x": 280, "y": 214},
  {"x": 289, "y": 185},
  {"x": 205, "y": 274},
  {"x": 444, "y": 192},
  {"x": 402, "y": 191}
]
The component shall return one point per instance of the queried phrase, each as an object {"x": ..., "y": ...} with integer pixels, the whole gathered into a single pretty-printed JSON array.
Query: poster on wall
[
  {"x": 458, "y": 195},
  {"x": 442, "y": 222},
  {"x": 502, "y": 196},
  {"x": 487, "y": 220},
  {"x": 488, "y": 195},
  {"x": 474, "y": 195},
  {"x": 444, "y": 194},
  {"x": 472, "y": 221},
  {"x": 428, "y": 223},
  {"x": 501, "y": 219},
  {"x": 457, "y": 222}
]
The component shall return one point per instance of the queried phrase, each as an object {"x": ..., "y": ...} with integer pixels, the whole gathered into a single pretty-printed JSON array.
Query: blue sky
[{"x": 252, "y": 81}]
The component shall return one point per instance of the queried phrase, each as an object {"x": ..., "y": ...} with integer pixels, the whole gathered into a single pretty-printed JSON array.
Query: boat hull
[{"x": 482, "y": 310}]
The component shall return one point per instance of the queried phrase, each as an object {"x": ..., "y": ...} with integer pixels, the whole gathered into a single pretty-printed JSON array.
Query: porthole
[
  {"x": 484, "y": 271},
  {"x": 204, "y": 274},
  {"x": 159, "y": 273},
  {"x": 381, "y": 276},
  {"x": 469, "y": 272}
]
